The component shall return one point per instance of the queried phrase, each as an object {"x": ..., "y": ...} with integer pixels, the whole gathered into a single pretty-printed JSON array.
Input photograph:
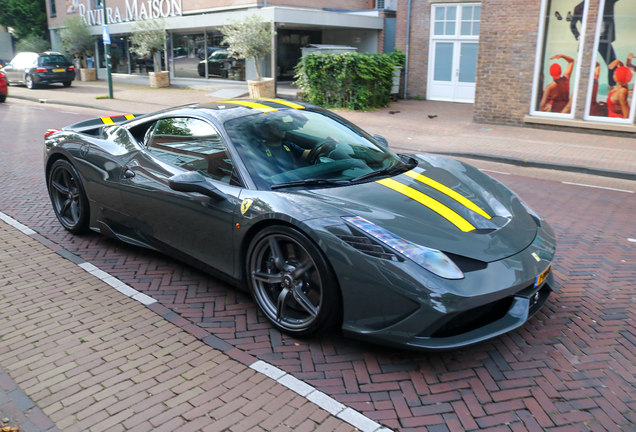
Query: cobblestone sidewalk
[{"x": 78, "y": 355}]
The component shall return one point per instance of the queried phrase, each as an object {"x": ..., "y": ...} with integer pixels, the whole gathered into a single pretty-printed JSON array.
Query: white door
[{"x": 453, "y": 55}]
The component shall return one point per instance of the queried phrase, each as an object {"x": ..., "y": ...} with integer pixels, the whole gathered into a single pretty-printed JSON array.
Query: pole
[
  {"x": 106, "y": 38},
  {"x": 408, "y": 42}
]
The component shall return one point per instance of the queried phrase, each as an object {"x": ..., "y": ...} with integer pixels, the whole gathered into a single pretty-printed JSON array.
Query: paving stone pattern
[
  {"x": 571, "y": 367},
  {"x": 94, "y": 360}
]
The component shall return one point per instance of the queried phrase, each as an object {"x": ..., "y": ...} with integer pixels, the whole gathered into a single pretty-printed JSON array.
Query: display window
[
  {"x": 558, "y": 60},
  {"x": 613, "y": 72}
]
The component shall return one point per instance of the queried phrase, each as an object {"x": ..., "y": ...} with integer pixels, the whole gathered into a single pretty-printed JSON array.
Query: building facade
[
  {"x": 565, "y": 63},
  {"x": 194, "y": 31}
]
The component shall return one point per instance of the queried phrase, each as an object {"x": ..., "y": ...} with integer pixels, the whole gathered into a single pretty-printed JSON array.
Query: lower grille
[{"x": 474, "y": 318}]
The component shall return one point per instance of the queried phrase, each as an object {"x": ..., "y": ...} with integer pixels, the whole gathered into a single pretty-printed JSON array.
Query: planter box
[
  {"x": 262, "y": 89},
  {"x": 159, "y": 79},
  {"x": 87, "y": 74}
]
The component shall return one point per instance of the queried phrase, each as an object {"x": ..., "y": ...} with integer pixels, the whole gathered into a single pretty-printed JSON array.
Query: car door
[{"x": 192, "y": 223}]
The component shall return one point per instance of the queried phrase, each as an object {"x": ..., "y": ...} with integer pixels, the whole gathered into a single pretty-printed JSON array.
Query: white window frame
[
  {"x": 458, "y": 22},
  {"x": 588, "y": 101},
  {"x": 537, "y": 65},
  {"x": 457, "y": 37}
]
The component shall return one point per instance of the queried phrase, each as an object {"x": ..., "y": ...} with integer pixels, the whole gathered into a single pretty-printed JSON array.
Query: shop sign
[{"x": 135, "y": 10}]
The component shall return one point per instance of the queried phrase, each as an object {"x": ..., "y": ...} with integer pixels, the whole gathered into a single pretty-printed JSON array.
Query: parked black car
[
  {"x": 33, "y": 69},
  {"x": 219, "y": 63}
]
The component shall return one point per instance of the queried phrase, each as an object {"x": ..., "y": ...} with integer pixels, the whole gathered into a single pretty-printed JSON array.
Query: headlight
[{"x": 431, "y": 259}]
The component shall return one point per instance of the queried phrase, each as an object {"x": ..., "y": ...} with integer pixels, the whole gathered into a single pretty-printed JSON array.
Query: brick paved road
[
  {"x": 572, "y": 366},
  {"x": 93, "y": 359}
]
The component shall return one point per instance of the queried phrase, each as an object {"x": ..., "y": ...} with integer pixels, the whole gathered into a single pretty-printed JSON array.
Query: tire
[
  {"x": 67, "y": 83},
  {"x": 301, "y": 305},
  {"x": 224, "y": 74},
  {"x": 68, "y": 197},
  {"x": 28, "y": 82},
  {"x": 3, "y": 97}
]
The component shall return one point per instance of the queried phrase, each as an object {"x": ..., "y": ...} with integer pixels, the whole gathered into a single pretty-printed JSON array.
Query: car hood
[{"x": 425, "y": 206}]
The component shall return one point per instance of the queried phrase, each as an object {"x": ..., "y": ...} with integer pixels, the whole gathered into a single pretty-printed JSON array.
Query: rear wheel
[
  {"x": 67, "y": 83},
  {"x": 28, "y": 82},
  {"x": 3, "y": 97},
  {"x": 292, "y": 282},
  {"x": 68, "y": 197}
]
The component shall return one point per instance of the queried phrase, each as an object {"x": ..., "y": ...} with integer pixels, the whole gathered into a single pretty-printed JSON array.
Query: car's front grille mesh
[{"x": 367, "y": 246}]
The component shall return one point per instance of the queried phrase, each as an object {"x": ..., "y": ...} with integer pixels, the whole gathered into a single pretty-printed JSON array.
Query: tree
[
  {"x": 249, "y": 38},
  {"x": 148, "y": 39},
  {"x": 24, "y": 16},
  {"x": 33, "y": 43},
  {"x": 77, "y": 39}
]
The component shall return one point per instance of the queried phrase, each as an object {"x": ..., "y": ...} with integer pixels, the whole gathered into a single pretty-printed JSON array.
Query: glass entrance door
[{"x": 454, "y": 47}]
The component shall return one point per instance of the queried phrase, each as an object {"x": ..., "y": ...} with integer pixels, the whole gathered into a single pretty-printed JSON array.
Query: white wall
[{"x": 368, "y": 39}]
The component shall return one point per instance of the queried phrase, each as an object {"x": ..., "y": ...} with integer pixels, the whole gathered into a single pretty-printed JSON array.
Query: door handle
[{"x": 128, "y": 173}]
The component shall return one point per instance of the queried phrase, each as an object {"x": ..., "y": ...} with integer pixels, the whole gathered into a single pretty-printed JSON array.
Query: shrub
[
  {"x": 350, "y": 80},
  {"x": 77, "y": 39},
  {"x": 249, "y": 38},
  {"x": 148, "y": 39},
  {"x": 32, "y": 43}
]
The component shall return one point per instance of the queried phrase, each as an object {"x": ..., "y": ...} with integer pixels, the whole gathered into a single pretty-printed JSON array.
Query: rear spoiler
[{"x": 92, "y": 126}]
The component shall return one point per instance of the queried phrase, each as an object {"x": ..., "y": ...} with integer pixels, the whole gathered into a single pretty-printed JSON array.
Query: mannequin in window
[{"x": 556, "y": 95}]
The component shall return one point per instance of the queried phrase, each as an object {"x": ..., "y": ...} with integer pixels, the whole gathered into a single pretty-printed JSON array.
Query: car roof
[{"x": 231, "y": 109}]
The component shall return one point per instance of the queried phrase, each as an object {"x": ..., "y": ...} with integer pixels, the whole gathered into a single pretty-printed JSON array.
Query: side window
[{"x": 194, "y": 145}]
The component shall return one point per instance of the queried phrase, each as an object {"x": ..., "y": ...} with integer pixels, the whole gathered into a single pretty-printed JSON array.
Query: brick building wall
[
  {"x": 505, "y": 68},
  {"x": 418, "y": 45},
  {"x": 505, "y": 65}
]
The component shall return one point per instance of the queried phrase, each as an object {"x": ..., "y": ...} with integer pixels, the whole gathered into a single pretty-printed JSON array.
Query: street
[{"x": 573, "y": 364}]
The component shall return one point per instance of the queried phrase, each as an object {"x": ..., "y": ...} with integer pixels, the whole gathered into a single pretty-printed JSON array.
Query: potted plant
[
  {"x": 78, "y": 41},
  {"x": 251, "y": 38},
  {"x": 148, "y": 39}
]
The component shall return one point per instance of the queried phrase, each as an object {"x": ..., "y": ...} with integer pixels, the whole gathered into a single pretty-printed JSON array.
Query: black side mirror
[
  {"x": 193, "y": 181},
  {"x": 381, "y": 140}
]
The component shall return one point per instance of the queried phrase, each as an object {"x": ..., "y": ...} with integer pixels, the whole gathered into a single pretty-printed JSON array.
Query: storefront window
[
  {"x": 188, "y": 53},
  {"x": 558, "y": 57},
  {"x": 118, "y": 54},
  {"x": 611, "y": 83}
]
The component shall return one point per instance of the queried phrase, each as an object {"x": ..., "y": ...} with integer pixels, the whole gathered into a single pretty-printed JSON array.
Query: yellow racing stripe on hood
[
  {"x": 448, "y": 191},
  {"x": 254, "y": 105},
  {"x": 429, "y": 202},
  {"x": 282, "y": 102}
]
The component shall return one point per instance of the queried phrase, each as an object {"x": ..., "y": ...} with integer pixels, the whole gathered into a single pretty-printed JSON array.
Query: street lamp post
[{"x": 106, "y": 37}]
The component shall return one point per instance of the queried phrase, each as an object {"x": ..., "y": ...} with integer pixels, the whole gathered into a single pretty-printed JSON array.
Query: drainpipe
[{"x": 408, "y": 40}]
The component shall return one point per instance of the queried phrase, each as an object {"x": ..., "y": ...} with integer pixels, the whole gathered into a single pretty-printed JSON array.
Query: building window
[
  {"x": 612, "y": 76},
  {"x": 470, "y": 20},
  {"x": 559, "y": 53},
  {"x": 53, "y": 11}
]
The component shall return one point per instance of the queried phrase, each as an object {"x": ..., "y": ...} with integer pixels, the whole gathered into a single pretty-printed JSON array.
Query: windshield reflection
[{"x": 305, "y": 147}]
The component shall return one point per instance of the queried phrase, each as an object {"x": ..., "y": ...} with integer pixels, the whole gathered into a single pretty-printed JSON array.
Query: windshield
[
  {"x": 50, "y": 59},
  {"x": 299, "y": 145}
]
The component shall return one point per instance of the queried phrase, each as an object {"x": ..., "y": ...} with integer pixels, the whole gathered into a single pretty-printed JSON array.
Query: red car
[{"x": 4, "y": 88}]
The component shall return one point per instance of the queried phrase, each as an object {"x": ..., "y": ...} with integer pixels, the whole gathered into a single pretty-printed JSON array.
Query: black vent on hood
[
  {"x": 465, "y": 264},
  {"x": 368, "y": 246}
]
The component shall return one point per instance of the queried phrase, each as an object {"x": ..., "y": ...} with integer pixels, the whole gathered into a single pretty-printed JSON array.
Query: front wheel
[
  {"x": 28, "y": 82},
  {"x": 68, "y": 197},
  {"x": 292, "y": 282}
]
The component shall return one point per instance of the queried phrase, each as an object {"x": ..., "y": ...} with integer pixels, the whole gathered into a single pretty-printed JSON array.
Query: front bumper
[{"x": 402, "y": 305}]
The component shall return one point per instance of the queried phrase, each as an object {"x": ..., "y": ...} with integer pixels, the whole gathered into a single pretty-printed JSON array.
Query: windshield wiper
[
  {"x": 395, "y": 169},
  {"x": 310, "y": 182}
]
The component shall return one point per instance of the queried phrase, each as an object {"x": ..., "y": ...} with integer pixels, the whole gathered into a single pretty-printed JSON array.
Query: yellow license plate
[
  {"x": 542, "y": 277},
  {"x": 58, "y": 70}
]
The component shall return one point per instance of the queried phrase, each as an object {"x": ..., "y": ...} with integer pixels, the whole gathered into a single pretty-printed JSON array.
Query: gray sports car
[{"x": 323, "y": 223}]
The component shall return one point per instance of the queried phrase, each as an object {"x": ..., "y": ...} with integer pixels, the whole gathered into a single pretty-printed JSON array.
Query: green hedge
[{"x": 350, "y": 80}]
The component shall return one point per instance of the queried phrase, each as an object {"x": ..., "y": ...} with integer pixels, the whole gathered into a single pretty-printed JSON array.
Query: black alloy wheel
[
  {"x": 68, "y": 197},
  {"x": 292, "y": 282},
  {"x": 28, "y": 82}
]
